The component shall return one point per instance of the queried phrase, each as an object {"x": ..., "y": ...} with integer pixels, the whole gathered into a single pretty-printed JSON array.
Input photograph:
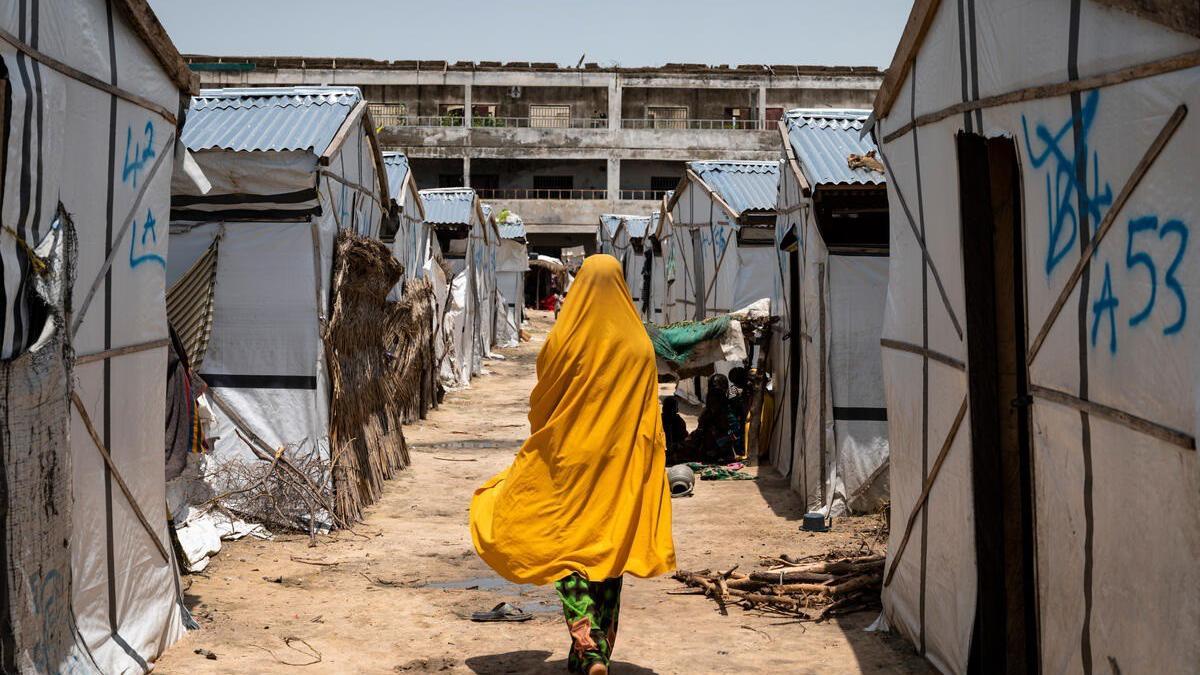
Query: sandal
[{"x": 502, "y": 612}]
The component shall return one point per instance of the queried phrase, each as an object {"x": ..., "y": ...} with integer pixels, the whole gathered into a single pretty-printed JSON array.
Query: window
[
  {"x": 667, "y": 117},
  {"x": 389, "y": 114},
  {"x": 663, "y": 183},
  {"x": 553, "y": 182},
  {"x": 451, "y": 110},
  {"x": 450, "y": 180},
  {"x": 550, "y": 116}
]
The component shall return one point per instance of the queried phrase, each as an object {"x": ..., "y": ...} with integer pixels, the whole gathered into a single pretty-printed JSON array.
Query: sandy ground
[{"x": 393, "y": 595}]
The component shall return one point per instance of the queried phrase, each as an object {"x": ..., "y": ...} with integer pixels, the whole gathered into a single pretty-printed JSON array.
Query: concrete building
[{"x": 560, "y": 145}]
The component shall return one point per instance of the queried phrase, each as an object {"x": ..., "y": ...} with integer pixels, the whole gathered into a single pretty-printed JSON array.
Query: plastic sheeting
[
  {"x": 830, "y": 432},
  {"x": 1108, "y": 499},
  {"x": 70, "y": 143}
]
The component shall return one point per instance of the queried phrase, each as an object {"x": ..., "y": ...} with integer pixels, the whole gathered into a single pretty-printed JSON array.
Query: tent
[
  {"x": 288, "y": 169},
  {"x": 607, "y": 233},
  {"x": 512, "y": 261},
  {"x": 657, "y": 235},
  {"x": 462, "y": 230},
  {"x": 90, "y": 581},
  {"x": 629, "y": 235},
  {"x": 829, "y": 433},
  {"x": 1042, "y": 367},
  {"x": 718, "y": 242},
  {"x": 487, "y": 250},
  {"x": 412, "y": 239},
  {"x": 414, "y": 245},
  {"x": 720, "y": 232}
]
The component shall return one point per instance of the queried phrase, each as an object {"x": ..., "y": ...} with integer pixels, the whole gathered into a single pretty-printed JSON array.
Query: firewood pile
[{"x": 810, "y": 589}]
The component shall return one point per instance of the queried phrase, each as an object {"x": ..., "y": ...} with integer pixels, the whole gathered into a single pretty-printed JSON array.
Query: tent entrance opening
[{"x": 1005, "y": 631}]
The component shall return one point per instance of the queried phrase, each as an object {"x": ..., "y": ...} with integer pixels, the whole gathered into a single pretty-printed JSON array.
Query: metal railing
[
  {"x": 388, "y": 114},
  {"x": 532, "y": 193},
  {"x": 643, "y": 195},
  {"x": 539, "y": 122},
  {"x": 659, "y": 123}
]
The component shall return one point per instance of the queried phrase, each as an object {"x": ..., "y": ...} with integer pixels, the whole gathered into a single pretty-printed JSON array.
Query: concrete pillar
[
  {"x": 762, "y": 107},
  {"x": 614, "y": 178},
  {"x": 466, "y": 172},
  {"x": 467, "y": 105},
  {"x": 614, "y": 109}
]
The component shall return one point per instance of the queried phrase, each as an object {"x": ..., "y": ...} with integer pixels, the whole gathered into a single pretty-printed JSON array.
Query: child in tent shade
[{"x": 586, "y": 500}]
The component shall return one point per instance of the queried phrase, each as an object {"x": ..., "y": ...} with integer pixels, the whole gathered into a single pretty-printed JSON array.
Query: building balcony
[
  {"x": 706, "y": 125},
  {"x": 534, "y": 193}
]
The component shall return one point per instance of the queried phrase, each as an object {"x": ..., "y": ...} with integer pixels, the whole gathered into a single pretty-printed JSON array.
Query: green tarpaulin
[{"x": 676, "y": 342}]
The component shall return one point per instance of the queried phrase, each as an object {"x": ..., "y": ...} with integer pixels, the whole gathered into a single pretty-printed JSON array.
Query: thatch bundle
[{"x": 380, "y": 357}]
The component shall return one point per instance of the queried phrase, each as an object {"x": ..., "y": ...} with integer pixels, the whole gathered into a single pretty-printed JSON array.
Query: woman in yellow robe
[{"x": 586, "y": 499}]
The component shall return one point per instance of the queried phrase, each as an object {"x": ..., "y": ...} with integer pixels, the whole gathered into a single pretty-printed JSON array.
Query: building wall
[
  {"x": 600, "y": 155},
  {"x": 702, "y": 104}
]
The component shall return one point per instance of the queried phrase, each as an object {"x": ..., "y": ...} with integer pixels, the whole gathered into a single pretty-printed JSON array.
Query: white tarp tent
[
  {"x": 467, "y": 241},
  {"x": 718, "y": 237},
  {"x": 628, "y": 239},
  {"x": 829, "y": 433},
  {"x": 720, "y": 255},
  {"x": 90, "y": 580},
  {"x": 288, "y": 167},
  {"x": 1041, "y": 362},
  {"x": 512, "y": 262},
  {"x": 413, "y": 243}
]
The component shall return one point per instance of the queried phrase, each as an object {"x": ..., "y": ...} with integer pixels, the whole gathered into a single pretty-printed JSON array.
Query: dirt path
[{"x": 393, "y": 595}]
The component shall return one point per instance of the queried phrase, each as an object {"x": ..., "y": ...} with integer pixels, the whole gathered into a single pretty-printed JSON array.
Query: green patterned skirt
[{"x": 591, "y": 609}]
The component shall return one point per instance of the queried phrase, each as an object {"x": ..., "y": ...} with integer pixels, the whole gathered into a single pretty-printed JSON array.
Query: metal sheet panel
[
  {"x": 824, "y": 139},
  {"x": 268, "y": 118},
  {"x": 449, "y": 206},
  {"x": 745, "y": 186},
  {"x": 396, "y": 165}
]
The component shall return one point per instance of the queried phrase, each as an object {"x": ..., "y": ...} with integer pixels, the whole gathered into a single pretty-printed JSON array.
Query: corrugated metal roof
[
  {"x": 268, "y": 118},
  {"x": 635, "y": 225},
  {"x": 512, "y": 227},
  {"x": 745, "y": 186},
  {"x": 396, "y": 165},
  {"x": 823, "y": 139},
  {"x": 449, "y": 206}
]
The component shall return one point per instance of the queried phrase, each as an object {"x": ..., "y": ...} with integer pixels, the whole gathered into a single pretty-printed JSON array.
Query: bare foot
[{"x": 598, "y": 669}]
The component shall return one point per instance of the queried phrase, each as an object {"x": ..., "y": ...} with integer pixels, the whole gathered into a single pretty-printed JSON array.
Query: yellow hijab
[{"x": 587, "y": 492}]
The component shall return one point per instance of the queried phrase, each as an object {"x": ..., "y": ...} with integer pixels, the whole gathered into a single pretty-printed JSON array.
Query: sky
[{"x": 610, "y": 32}]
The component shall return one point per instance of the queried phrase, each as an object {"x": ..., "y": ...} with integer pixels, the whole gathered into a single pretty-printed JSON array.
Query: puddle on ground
[
  {"x": 478, "y": 444},
  {"x": 524, "y": 596}
]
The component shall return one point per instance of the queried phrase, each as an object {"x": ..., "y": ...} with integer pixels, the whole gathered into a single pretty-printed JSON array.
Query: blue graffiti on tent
[
  {"x": 1063, "y": 187},
  {"x": 137, "y": 157},
  {"x": 138, "y": 242}
]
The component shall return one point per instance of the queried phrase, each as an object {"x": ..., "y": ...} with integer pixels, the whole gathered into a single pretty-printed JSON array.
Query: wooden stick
[
  {"x": 84, "y": 78},
  {"x": 1140, "y": 424},
  {"x": 901, "y": 346},
  {"x": 920, "y": 503},
  {"x": 112, "y": 467},
  {"x": 121, "y": 351},
  {"x": 1085, "y": 256},
  {"x": 1144, "y": 70}
]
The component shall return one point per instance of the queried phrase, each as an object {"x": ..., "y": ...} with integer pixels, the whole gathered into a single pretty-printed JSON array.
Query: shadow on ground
[
  {"x": 535, "y": 661},
  {"x": 778, "y": 495}
]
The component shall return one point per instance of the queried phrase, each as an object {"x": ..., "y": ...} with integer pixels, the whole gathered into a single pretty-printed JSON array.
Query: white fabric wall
[
  {"x": 59, "y": 138},
  {"x": 1088, "y": 479}
]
